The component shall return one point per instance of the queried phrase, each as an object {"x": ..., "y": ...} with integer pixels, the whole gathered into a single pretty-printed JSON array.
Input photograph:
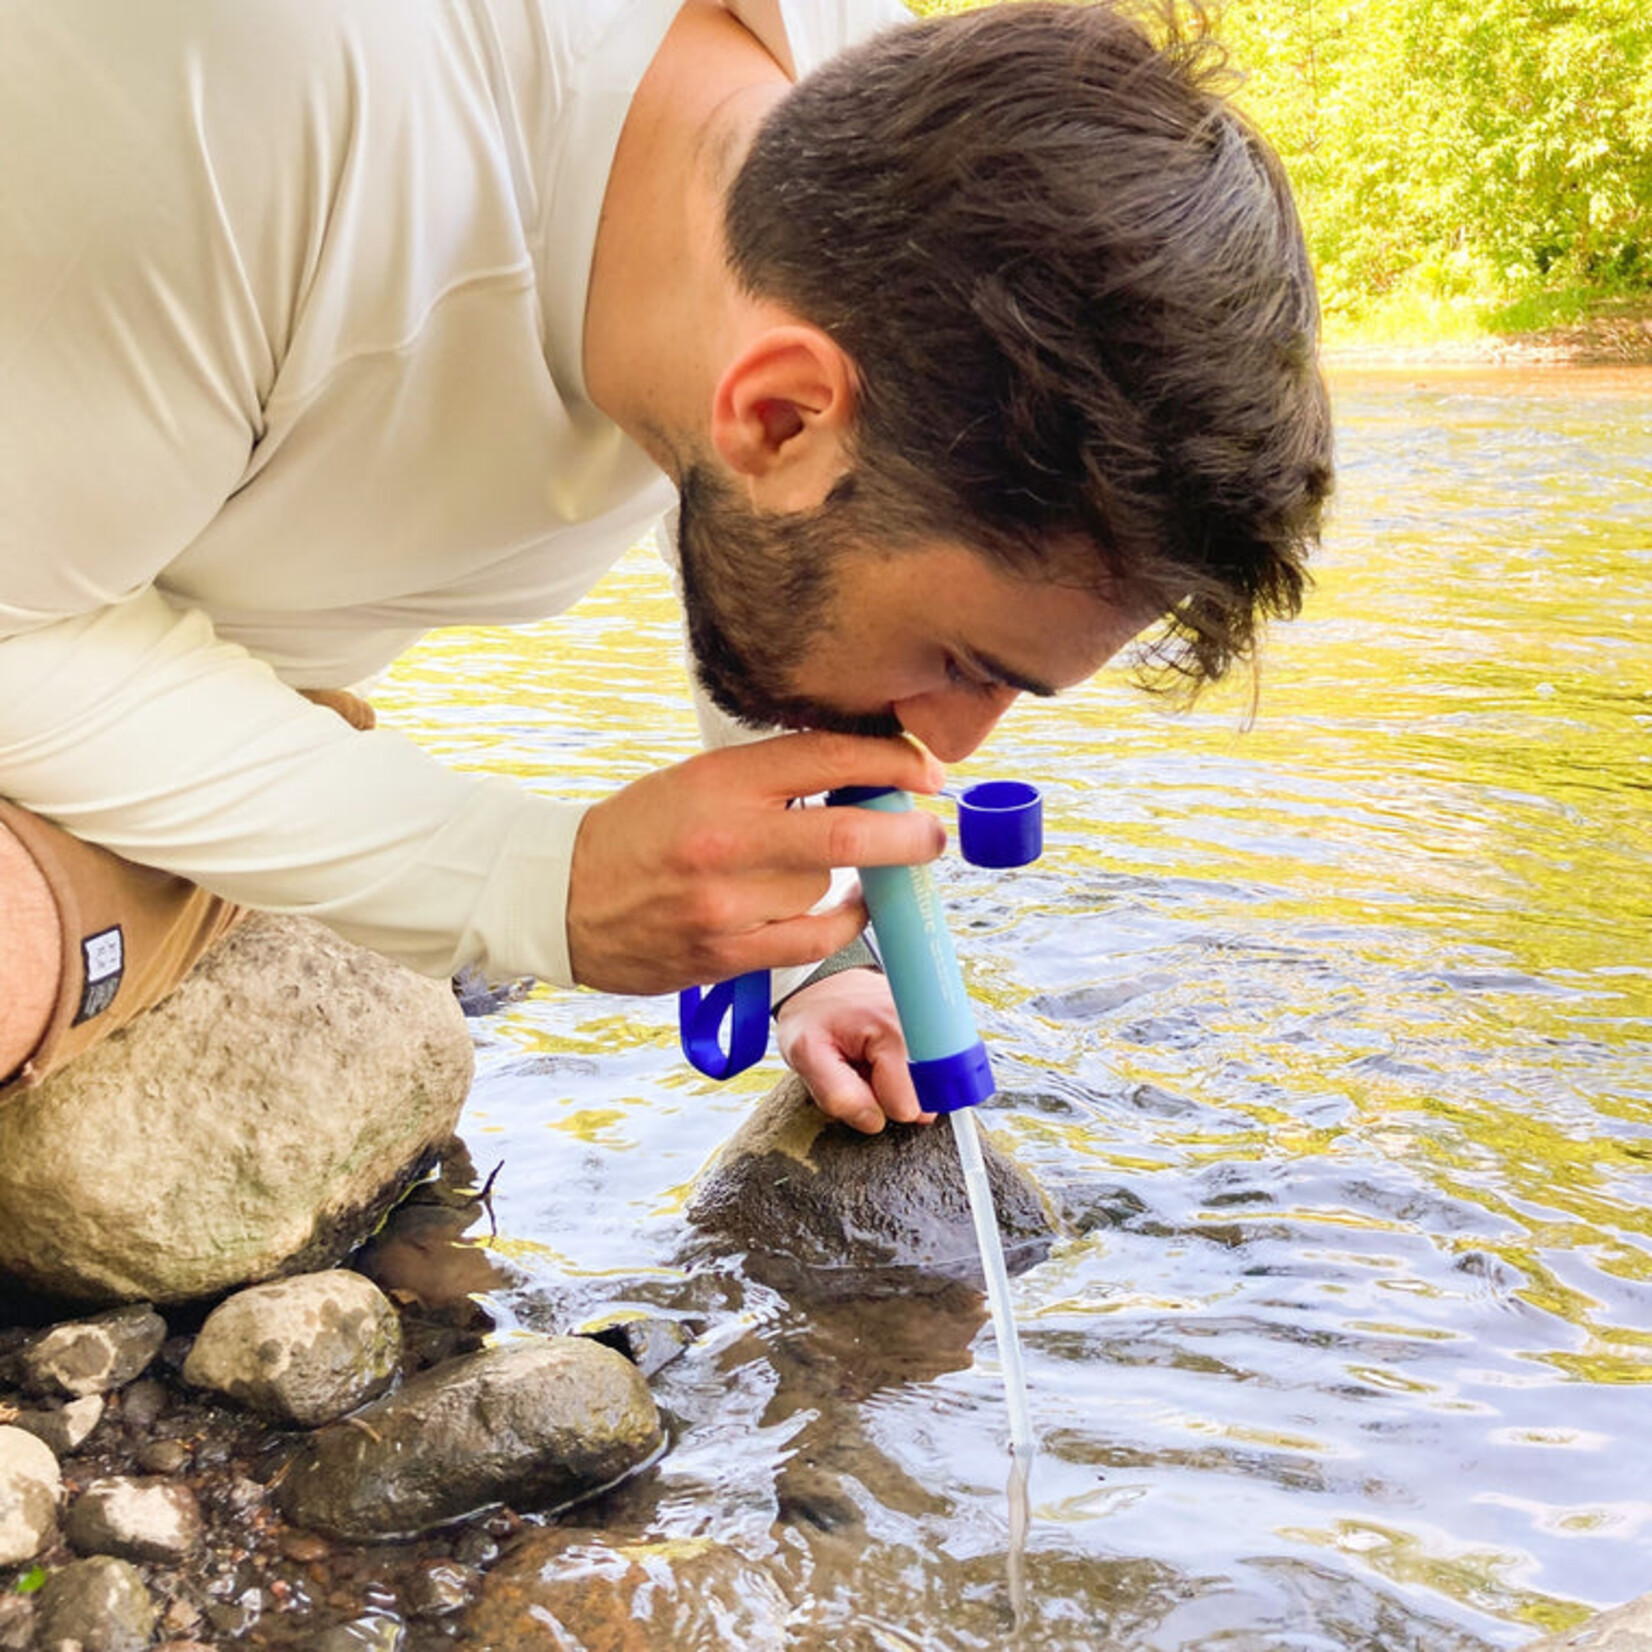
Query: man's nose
[{"x": 953, "y": 723}]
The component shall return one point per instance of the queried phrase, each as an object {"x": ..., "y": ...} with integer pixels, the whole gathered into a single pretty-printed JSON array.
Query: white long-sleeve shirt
[{"x": 291, "y": 309}]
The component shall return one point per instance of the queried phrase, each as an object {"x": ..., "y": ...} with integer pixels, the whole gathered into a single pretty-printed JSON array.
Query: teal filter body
[{"x": 949, "y": 1062}]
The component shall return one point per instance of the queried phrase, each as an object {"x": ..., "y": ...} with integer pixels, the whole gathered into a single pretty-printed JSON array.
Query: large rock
[
  {"x": 533, "y": 1424},
  {"x": 823, "y": 1210},
  {"x": 257, "y": 1122}
]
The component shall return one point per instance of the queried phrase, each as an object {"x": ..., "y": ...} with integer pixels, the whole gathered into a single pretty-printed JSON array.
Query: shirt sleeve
[{"x": 138, "y": 339}]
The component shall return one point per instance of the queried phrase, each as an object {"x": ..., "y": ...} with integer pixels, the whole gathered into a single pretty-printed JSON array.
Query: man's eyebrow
[{"x": 994, "y": 668}]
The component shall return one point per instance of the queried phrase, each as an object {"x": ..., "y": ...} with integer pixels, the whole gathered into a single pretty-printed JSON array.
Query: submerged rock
[
  {"x": 305, "y": 1350},
  {"x": 822, "y": 1209},
  {"x": 579, "y": 1589},
  {"x": 532, "y": 1424},
  {"x": 258, "y": 1121},
  {"x": 1626, "y": 1628}
]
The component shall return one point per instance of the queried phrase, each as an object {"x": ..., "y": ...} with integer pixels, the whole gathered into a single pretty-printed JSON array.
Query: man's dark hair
[{"x": 1074, "y": 287}]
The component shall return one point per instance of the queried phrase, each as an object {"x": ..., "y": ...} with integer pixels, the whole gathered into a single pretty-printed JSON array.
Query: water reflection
[{"x": 1330, "y": 1039}]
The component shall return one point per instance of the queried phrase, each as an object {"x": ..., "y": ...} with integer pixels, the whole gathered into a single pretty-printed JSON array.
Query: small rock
[
  {"x": 234, "y": 1617},
  {"x": 100, "y": 1603},
  {"x": 135, "y": 1520},
  {"x": 163, "y": 1456},
  {"x": 179, "y": 1623},
  {"x": 534, "y": 1423},
  {"x": 304, "y": 1547},
  {"x": 64, "y": 1428},
  {"x": 237, "y": 1498},
  {"x": 141, "y": 1405},
  {"x": 649, "y": 1342},
  {"x": 380, "y": 1632},
  {"x": 30, "y": 1488},
  {"x": 16, "y": 1623},
  {"x": 93, "y": 1356},
  {"x": 306, "y": 1350}
]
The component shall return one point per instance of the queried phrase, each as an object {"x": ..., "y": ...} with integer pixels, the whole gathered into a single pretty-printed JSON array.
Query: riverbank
[{"x": 1614, "y": 333}]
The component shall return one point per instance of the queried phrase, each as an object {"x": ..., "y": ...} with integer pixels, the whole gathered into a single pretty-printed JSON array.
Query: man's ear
[{"x": 782, "y": 414}]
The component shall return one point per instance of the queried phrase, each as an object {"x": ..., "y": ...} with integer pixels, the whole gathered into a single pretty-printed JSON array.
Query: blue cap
[
  {"x": 1001, "y": 823},
  {"x": 952, "y": 1081}
]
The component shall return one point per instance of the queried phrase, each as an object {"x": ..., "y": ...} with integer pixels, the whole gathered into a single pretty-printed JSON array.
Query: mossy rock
[{"x": 821, "y": 1209}]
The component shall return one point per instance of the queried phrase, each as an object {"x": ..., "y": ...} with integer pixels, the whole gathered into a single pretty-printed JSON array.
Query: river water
[{"x": 1331, "y": 1039}]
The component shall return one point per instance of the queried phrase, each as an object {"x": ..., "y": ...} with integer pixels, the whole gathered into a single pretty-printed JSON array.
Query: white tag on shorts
[{"x": 103, "y": 957}]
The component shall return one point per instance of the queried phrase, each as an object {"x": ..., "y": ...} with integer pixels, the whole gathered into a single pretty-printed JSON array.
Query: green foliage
[
  {"x": 1454, "y": 155},
  {"x": 1458, "y": 147}
]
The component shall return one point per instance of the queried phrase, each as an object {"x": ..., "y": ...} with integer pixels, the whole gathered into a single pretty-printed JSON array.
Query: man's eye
[{"x": 959, "y": 677}]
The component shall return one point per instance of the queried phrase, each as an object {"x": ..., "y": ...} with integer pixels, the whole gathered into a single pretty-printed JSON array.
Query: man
[{"x": 972, "y": 346}]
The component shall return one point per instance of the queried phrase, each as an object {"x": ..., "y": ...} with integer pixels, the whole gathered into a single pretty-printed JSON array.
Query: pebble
[
  {"x": 163, "y": 1456},
  {"x": 304, "y": 1547},
  {"x": 141, "y": 1405},
  {"x": 440, "y": 1588}
]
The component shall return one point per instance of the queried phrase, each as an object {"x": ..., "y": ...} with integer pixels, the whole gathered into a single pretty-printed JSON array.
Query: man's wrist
[{"x": 857, "y": 955}]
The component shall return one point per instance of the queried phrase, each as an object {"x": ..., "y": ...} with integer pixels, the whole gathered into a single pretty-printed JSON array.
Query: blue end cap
[
  {"x": 949, "y": 1082},
  {"x": 1001, "y": 823}
]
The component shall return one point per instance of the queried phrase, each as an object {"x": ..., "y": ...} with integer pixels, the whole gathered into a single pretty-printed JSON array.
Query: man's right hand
[{"x": 703, "y": 871}]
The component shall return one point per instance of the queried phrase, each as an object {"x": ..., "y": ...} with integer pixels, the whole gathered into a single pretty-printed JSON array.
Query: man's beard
[{"x": 757, "y": 592}]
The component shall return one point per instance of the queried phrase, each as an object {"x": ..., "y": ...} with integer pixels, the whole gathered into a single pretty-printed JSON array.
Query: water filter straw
[
  {"x": 948, "y": 1061},
  {"x": 1000, "y": 824}
]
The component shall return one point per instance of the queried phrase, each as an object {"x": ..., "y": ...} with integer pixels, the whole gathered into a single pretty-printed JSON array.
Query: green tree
[
  {"x": 1486, "y": 148},
  {"x": 1464, "y": 145}
]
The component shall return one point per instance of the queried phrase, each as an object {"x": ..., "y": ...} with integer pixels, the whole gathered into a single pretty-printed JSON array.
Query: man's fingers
[
  {"x": 892, "y": 1083},
  {"x": 791, "y": 942},
  {"x": 799, "y": 765},
  {"x": 850, "y": 1101},
  {"x": 847, "y": 836}
]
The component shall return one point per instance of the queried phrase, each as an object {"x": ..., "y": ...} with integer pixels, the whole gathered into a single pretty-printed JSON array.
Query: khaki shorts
[{"x": 130, "y": 935}]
